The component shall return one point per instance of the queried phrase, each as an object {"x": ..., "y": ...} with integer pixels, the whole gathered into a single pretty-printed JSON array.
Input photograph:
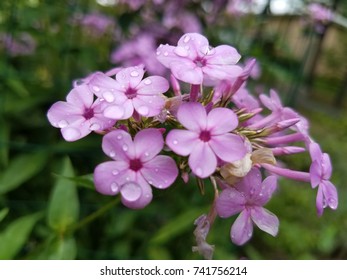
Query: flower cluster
[{"x": 216, "y": 131}]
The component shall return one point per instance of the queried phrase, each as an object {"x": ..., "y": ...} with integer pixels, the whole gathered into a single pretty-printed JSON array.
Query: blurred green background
[{"x": 46, "y": 45}]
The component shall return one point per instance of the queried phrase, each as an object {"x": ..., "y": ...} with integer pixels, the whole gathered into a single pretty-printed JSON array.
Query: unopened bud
[
  {"x": 232, "y": 172},
  {"x": 263, "y": 155}
]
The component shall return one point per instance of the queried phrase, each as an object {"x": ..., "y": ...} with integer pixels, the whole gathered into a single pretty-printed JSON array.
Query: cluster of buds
[{"x": 214, "y": 130}]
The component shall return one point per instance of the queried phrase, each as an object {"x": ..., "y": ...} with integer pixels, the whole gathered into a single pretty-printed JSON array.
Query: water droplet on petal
[
  {"x": 181, "y": 51},
  {"x": 63, "y": 123},
  {"x": 94, "y": 126},
  {"x": 198, "y": 171},
  {"x": 134, "y": 74},
  {"x": 71, "y": 134},
  {"x": 146, "y": 154},
  {"x": 127, "y": 179},
  {"x": 249, "y": 234},
  {"x": 232, "y": 236},
  {"x": 112, "y": 154},
  {"x": 147, "y": 196},
  {"x": 147, "y": 81},
  {"x": 119, "y": 137},
  {"x": 125, "y": 148},
  {"x": 186, "y": 39},
  {"x": 158, "y": 52},
  {"x": 143, "y": 110},
  {"x": 150, "y": 182},
  {"x": 114, "y": 112},
  {"x": 332, "y": 203},
  {"x": 160, "y": 186},
  {"x": 114, "y": 187},
  {"x": 175, "y": 142},
  {"x": 156, "y": 170},
  {"x": 131, "y": 191},
  {"x": 166, "y": 53},
  {"x": 115, "y": 172},
  {"x": 108, "y": 96},
  {"x": 95, "y": 88}
]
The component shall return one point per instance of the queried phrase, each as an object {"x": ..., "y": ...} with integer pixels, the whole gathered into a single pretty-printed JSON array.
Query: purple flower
[
  {"x": 24, "y": 44},
  {"x": 207, "y": 137},
  {"x": 136, "y": 165},
  {"x": 97, "y": 24},
  {"x": 320, "y": 171},
  {"x": 194, "y": 61},
  {"x": 129, "y": 92},
  {"x": 80, "y": 115},
  {"x": 247, "y": 198},
  {"x": 319, "y": 13}
]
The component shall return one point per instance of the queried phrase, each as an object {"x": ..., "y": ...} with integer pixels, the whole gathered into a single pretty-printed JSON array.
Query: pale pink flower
[
  {"x": 136, "y": 165},
  {"x": 207, "y": 137}
]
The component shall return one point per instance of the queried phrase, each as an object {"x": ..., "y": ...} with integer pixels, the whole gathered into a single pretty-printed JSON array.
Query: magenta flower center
[
  {"x": 200, "y": 61},
  {"x": 135, "y": 164},
  {"x": 205, "y": 136},
  {"x": 131, "y": 93},
  {"x": 88, "y": 113}
]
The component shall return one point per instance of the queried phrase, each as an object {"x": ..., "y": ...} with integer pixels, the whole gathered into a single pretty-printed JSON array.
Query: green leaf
[
  {"x": 21, "y": 169},
  {"x": 17, "y": 86},
  {"x": 4, "y": 140},
  {"x": 83, "y": 181},
  {"x": 60, "y": 249},
  {"x": 63, "y": 208},
  {"x": 177, "y": 226},
  {"x": 13, "y": 238},
  {"x": 3, "y": 213}
]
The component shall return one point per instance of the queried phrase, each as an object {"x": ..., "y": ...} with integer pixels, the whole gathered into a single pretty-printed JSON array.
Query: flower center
[
  {"x": 200, "y": 61},
  {"x": 88, "y": 113},
  {"x": 205, "y": 136},
  {"x": 135, "y": 164},
  {"x": 131, "y": 93}
]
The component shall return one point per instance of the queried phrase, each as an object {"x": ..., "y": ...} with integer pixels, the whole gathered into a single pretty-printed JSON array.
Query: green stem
[{"x": 95, "y": 215}]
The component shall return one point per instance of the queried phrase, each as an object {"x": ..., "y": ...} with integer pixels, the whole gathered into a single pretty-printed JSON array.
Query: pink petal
[
  {"x": 101, "y": 84},
  {"x": 265, "y": 220},
  {"x": 326, "y": 166},
  {"x": 194, "y": 43},
  {"x": 80, "y": 97},
  {"x": 131, "y": 76},
  {"x": 118, "y": 145},
  {"x": 160, "y": 171},
  {"x": 250, "y": 184},
  {"x": 223, "y": 55},
  {"x": 110, "y": 176},
  {"x": 222, "y": 72},
  {"x": 242, "y": 229},
  {"x": 315, "y": 152},
  {"x": 263, "y": 194},
  {"x": 330, "y": 194},
  {"x": 153, "y": 85},
  {"x": 76, "y": 130},
  {"x": 119, "y": 111},
  {"x": 202, "y": 160},
  {"x": 320, "y": 202},
  {"x": 166, "y": 55},
  {"x": 136, "y": 194},
  {"x": 192, "y": 115},
  {"x": 62, "y": 114},
  {"x": 185, "y": 70},
  {"x": 230, "y": 202},
  {"x": 221, "y": 121},
  {"x": 315, "y": 174},
  {"x": 148, "y": 143},
  {"x": 182, "y": 141},
  {"x": 228, "y": 147},
  {"x": 149, "y": 105}
]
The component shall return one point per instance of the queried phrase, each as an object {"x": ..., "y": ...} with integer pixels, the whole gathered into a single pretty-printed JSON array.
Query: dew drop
[
  {"x": 146, "y": 154},
  {"x": 63, "y": 123},
  {"x": 125, "y": 148},
  {"x": 147, "y": 196},
  {"x": 165, "y": 181},
  {"x": 108, "y": 96},
  {"x": 232, "y": 236},
  {"x": 332, "y": 203},
  {"x": 131, "y": 191},
  {"x": 156, "y": 170},
  {"x": 150, "y": 182},
  {"x": 158, "y": 52},
  {"x": 249, "y": 234},
  {"x": 94, "y": 126},
  {"x": 175, "y": 142},
  {"x": 115, "y": 172},
  {"x": 166, "y": 53},
  {"x": 160, "y": 186},
  {"x": 71, "y": 134},
  {"x": 147, "y": 81},
  {"x": 95, "y": 88},
  {"x": 114, "y": 187},
  {"x": 112, "y": 154},
  {"x": 114, "y": 112},
  {"x": 119, "y": 137},
  {"x": 198, "y": 171},
  {"x": 134, "y": 74},
  {"x": 143, "y": 110},
  {"x": 186, "y": 39},
  {"x": 181, "y": 51}
]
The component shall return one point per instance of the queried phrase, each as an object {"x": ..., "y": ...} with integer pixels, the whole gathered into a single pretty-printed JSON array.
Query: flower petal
[
  {"x": 76, "y": 130},
  {"x": 182, "y": 141},
  {"x": 202, "y": 160},
  {"x": 103, "y": 86},
  {"x": 230, "y": 202},
  {"x": 221, "y": 121},
  {"x": 330, "y": 194},
  {"x": 194, "y": 43},
  {"x": 160, "y": 171},
  {"x": 166, "y": 55},
  {"x": 250, "y": 183},
  {"x": 185, "y": 70},
  {"x": 80, "y": 96},
  {"x": 118, "y": 145},
  {"x": 242, "y": 229},
  {"x": 263, "y": 194},
  {"x": 149, "y": 105},
  {"x": 148, "y": 143},
  {"x": 130, "y": 76},
  {"x": 110, "y": 176},
  {"x": 315, "y": 173},
  {"x": 265, "y": 220},
  {"x": 62, "y": 114},
  {"x": 153, "y": 85},
  {"x": 228, "y": 147},
  {"x": 192, "y": 115},
  {"x": 223, "y": 55},
  {"x": 221, "y": 72},
  {"x": 136, "y": 194}
]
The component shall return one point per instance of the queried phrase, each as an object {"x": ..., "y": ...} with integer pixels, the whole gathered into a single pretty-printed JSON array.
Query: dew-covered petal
[
  {"x": 242, "y": 229},
  {"x": 263, "y": 194},
  {"x": 192, "y": 115},
  {"x": 230, "y": 202},
  {"x": 148, "y": 105},
  {"x": 119, "y": 111},
  {"x": 148, "y": 143},
  {"x": 80, "y": 96},
  {"x": 153, "y": 85},
  {"x": 111, "y": 175},
  {"x": 62, "y": 114},
  {"x": 194, "y": 43},
  {"x": 76, "y": 130},
  {"x": 315, "y": 174},
  {"x": 166, "y": 55},
  {"x": 130, "y": 76},
  {"x": 221, "y": 121},
  {"x": 182, "y": 141},
  {"x": 202, "y": 160},
  {"x": 136, "y": 194},
  {"x": 222, "y": 72},
  {"x": 186, "y": 70},
  {"x": 228, "y": 147},
  {"x": 330, "y": 194},
  {"x": 100, "y": 84},
  {"x": 251, "y": 183},
  {"x": 118, "y": 145},
  {"x": 160, "y": 171},
  {"x": 265, "y": 220},
  {"x": 223, "y": 55}
]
